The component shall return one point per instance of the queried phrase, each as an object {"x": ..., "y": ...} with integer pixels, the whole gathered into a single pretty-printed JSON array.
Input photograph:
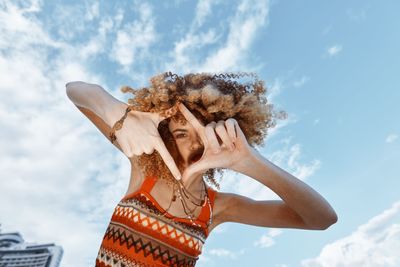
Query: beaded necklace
[{"x": 182, "y": 193}]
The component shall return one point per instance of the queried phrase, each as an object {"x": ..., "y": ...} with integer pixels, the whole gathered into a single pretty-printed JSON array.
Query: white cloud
[
  {"x": 52, "y": 159},
  {"x": 373, "y": 244},
  {"x": 266, "y": 240},
  {"x": 225, "y": 253},
  {"x": 203, "y": 9},
  {"x": 249, "y": 17},
  {"x": 92, "y": 11},
  {"x": 334, "y": 50},
  {"x": 290, "y": 156},
  {"x": 185, "y": 48},
  {"x": 273, "y": 232},
  {"x": 301, "y": 81},
  {"x": 207, "y": 258},
  {"x": 274, "y": 89},
  {"x": 357, "y": 15},
  {"x": 68, "y": 22},
  {"x": 391, "y": 138},
  {"x": 135, "y": 38}
]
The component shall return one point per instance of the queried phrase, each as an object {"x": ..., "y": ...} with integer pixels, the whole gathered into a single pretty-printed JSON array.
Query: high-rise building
[{"x": 15, "y": 252}]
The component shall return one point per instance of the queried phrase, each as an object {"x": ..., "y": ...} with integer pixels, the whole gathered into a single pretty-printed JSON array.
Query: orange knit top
[{"x": 139, "y": 235}]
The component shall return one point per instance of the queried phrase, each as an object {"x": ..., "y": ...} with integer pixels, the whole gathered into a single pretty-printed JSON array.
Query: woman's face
[{"x": 187, "y": 141}]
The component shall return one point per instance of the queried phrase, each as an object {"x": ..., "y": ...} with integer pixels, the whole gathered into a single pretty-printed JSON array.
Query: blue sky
[{"x": 332, "y": 65}]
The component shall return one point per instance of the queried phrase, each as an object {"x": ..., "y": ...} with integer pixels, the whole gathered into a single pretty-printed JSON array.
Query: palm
[
  {"x": 140, "y": 135},
  {"x": 216, "y": 135}
]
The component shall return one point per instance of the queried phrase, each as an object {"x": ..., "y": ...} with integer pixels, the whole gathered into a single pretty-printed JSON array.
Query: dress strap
[
  {"x": 146, "y": 186},
  {"x": 205, "y": 212},
  {"x": 211, "y": 194}
]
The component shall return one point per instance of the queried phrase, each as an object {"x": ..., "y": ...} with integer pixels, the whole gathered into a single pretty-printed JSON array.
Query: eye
[{"x": 179, "y": 136}]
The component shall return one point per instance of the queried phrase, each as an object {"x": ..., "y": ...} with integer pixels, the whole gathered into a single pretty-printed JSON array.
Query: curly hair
[{"x": 210, "y": 97}]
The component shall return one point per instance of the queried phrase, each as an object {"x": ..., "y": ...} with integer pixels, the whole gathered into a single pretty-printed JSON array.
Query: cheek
[{"x": 181, "y": 146}]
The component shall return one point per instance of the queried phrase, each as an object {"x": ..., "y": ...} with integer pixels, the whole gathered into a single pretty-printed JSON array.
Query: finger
[
  {"x": 126, "y": 148},
  {"x": 239, "y": 131},
  {"x": 168, "y": 159},
  {"x": 197, "y": 167},
  {"x": 148, "y": 150},
  {"x": 212, "y": 137},
  {"x": 230, "y": 127},
  {"x": 223, "y": 134},
  {"x": 190, "y": 117}
]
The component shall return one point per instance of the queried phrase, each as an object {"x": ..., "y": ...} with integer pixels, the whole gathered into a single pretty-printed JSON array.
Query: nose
[{"x": 196, "y": 144}]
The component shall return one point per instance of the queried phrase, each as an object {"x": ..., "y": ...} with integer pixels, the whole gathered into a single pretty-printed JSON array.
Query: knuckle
[
  {"x": 220, "y": 127},
  {"x": 231, "y": 120},
  {"x": 220, "y": 124},
  {"x": 148, "y": 150},
  {"x": 209, "y": 128},
  {"x": 211, "y": 124}
]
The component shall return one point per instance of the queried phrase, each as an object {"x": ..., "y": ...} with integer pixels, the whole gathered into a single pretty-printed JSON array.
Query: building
[{"x": 15, "y": 252}]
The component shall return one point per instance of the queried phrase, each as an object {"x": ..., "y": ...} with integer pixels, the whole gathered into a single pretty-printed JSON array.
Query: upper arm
[{"x": 267, "y": 213}]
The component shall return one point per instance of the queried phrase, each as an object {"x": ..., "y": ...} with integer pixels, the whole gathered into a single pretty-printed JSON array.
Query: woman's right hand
[{"x": 139, "y": 134}]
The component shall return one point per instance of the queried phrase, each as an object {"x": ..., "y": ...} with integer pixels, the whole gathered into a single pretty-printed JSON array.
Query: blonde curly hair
[{"x": 210, "y": 97}]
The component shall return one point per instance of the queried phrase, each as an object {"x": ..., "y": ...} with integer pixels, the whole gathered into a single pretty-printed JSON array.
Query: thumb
[
  {"x": 168, "y": 159},
  {"x": 195, "y": 168}
]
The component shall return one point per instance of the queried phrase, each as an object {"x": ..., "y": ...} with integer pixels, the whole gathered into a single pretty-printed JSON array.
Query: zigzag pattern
[
  {"x": 143, "y": 202},
  {"x": 147, "y": 247},
  {"x": 107, "y": 258},
  {"x": 156, "y": 225},
  {"x": 141, "y": 235}
]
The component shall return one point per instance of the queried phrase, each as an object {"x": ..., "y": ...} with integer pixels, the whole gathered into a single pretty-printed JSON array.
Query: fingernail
[{"x": 217, "y": 151}]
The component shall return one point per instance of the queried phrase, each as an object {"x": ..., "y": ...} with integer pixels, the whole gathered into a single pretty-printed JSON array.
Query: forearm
[
  {"x": 305, "y": 201},
  {"x": 96, "y": 99}
]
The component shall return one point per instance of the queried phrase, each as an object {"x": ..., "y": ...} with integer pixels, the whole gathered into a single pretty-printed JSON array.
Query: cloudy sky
[{"x": 332, "y": 65}]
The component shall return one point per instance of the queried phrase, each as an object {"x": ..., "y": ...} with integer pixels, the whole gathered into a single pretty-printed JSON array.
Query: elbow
[
  {"x": 69, "y": 87},
  {"x": 74, "y": 90},
  {"x": 325, "y": 222},
  {"x": 74, "y": 84}
]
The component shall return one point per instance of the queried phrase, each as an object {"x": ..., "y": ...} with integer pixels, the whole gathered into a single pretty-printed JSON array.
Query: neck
[{"x": 194, "y": 184}]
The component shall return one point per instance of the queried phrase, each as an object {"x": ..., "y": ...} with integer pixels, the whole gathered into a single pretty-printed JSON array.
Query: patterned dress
[{"x": 139, "y": 235}]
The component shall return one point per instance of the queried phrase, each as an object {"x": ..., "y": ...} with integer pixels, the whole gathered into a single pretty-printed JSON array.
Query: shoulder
[{"x": 222, "y": 204}]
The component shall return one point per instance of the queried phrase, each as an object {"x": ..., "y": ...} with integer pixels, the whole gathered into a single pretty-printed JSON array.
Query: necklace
[
  {"x": 181, "y": 192},
  {"x": 202, "y": 196}
]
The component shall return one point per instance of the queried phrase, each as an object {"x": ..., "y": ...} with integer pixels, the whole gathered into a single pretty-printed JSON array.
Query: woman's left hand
[{"x": 229, "y": 154}]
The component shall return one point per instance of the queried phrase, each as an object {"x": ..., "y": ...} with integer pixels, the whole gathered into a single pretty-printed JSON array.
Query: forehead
[{"x": 172, "y": 125}]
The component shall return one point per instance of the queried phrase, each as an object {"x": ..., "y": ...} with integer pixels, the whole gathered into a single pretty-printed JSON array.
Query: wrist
[
  {"x": 248, "y": 161},
  {"x": 117, "y": 125}
]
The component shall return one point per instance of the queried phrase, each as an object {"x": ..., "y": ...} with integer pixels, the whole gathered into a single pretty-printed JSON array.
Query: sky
[{"x": 331, "y": 65}]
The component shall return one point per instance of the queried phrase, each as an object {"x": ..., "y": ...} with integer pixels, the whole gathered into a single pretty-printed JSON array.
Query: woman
[{"x": 177, "y": 133}]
